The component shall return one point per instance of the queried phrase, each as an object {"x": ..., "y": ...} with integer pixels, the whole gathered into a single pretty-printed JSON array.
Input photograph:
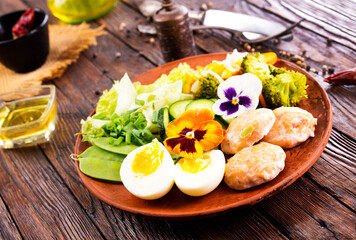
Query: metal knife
[
  {"x": 245, "y": 27},
  {"x": 237, "y": 21},
  {"x": 248, "y": 28}
]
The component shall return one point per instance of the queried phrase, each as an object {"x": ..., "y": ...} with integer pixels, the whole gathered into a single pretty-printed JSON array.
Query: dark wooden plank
[
  {"x": 343, "y": 99},
  {"x": 123, "y": 15},
  {"x": 244, "y": 223},
  {"x": 8, "y": 229},
  {"x": 105, "y": 57},
  {"x": 8, "y": 6},
  {"x": 37, "y": 196},
  {"x": 304, "y": 211},
  {"x": 239, "y": 224},
  {"x": 332, "y": 19},
  {"x": 76, "y": 104},
  {"x": 335, "y": 170}
]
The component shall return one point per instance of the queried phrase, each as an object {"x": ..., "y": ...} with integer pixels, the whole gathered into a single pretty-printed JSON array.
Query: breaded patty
[
  {"x": 293, "y": 125},
  {"x": 247, "y": 129},
  {"x": 254, "y": 165}
]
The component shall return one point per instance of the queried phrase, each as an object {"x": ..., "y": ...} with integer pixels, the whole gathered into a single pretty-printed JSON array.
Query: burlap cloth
[{"x": 66, "y": 43}]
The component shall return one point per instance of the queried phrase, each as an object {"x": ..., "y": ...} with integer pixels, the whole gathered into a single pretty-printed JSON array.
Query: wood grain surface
[{"x": 42, "y": 196}]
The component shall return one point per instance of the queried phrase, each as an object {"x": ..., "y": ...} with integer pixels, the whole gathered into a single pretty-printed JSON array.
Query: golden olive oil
[
  {"x": 75, "y": 11},
  {"x": 26, "y": 120},
  {"x": 23, "y": 112}
]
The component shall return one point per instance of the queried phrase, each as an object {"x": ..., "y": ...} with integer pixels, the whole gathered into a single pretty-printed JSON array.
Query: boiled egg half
[
  {"x": 147, "y": 172},
  {"x": 197, "y": 177}
]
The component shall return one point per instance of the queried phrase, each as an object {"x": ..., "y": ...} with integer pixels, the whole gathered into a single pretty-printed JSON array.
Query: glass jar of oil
[
  {"x": 27, "y": 116},
  {"x": 76, "y": 11}
]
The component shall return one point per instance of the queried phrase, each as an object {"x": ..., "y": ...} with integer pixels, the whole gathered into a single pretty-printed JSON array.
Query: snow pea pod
[
  {"x": 98, "y": 163},
  {"x": 107, "y": 144}
]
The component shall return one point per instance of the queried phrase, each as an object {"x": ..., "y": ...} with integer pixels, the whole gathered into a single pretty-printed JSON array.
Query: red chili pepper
[
  {"x": 347, "y": 77},
  {"x": 24, "y": 24}
]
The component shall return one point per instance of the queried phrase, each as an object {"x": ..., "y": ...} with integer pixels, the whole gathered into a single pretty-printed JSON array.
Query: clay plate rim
[{"x": 257, "y": 194}]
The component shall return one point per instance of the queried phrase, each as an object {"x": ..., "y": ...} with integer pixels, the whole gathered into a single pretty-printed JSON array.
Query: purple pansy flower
[{"x": 238, "y": 94}]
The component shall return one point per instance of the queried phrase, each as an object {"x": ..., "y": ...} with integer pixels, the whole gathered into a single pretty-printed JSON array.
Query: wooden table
[{"x": 42, "y": 197}]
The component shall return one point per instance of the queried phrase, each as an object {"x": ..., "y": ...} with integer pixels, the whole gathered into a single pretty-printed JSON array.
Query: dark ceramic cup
[{"x": 26, "y": 53}]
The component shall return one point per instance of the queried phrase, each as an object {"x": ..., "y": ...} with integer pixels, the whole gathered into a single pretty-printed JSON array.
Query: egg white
[
  {"x": 205, "y": 181},
  {"x": 152, "y": 186}
]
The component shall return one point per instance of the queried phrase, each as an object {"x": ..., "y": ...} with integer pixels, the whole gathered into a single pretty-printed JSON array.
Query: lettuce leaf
[
  {"x": 182, "y": 72},
  {"x": 127, "y": 94},
  {"x": 118, "y": 99},
  {"x": 159, "y": 98},
  {"x": 92, "y": 128},
  {"x": 107, "y": 102}
]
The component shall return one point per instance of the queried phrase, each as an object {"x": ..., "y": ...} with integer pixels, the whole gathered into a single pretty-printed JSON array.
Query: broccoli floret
[
  {"x": 285, "y": 89},
  {"x": 275, "y": 71},
  {"x": 208, "y": 87},
  {"x": 255, "y": 63},
  {"x": 280, "y": 86}
]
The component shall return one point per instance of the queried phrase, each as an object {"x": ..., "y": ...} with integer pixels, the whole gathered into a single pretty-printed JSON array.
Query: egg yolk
[
  {"x": 194, "y": 165},
  {"x": 148, "y": 160}
]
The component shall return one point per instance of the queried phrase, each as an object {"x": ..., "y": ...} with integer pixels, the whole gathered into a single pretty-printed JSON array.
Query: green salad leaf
[
  {"x": 151, "y": 102},
  {"x": 92, "y": 128},
  {"x": 118, "y": 99},
  {"x": 182, "y": 72},
  {"x": 107, "y": 103}
]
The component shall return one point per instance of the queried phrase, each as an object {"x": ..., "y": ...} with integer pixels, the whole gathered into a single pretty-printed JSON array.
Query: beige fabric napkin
[{"x": 66, "y": 43}]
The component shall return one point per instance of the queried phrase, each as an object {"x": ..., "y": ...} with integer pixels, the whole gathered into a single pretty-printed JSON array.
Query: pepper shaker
[{"x": 174, "y": 34}]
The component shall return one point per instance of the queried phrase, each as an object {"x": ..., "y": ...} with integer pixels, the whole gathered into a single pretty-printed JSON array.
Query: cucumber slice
[
  {"x": 154, "y": 128},
  {"x": 200, "y": 103},
  {"x": 178, "y": 107},
  {"x": 163, "y": 121},
  {"x": 105, "y": 143},
  {"x": 222, "y": 121},
  {"x": 155, "y": 117}
]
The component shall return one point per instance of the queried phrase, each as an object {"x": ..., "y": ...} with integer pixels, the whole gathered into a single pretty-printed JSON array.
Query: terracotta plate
[{"x": 177, "y": 205}]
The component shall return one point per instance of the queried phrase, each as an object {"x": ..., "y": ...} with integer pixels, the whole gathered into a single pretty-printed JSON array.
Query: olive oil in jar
[
  {"x": 26, "y": 121},
  {"x": 76, "y": 11},
  {"x": 22, "y": 112}
]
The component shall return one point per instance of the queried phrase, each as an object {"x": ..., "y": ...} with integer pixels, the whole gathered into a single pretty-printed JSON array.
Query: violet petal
[
  {"x": 229, "y": 107},
  {"x": 230, "y": 93},
  {"x": 245, "y": 101}
]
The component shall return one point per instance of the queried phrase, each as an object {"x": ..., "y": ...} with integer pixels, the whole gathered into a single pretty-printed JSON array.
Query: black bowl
[{"x": 28, "y": 52}]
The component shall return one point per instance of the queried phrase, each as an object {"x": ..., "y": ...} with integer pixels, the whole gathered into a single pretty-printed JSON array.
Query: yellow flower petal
[
  {"x": 213, "y": 136},
  {"x": 193, "y": 132},
  {"x": 184, "y": 147}
]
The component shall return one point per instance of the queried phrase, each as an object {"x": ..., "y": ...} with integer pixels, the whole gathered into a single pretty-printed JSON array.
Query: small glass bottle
[
  {"x": 76, "y": 11},
  {"x": 174, "y": 34}
]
